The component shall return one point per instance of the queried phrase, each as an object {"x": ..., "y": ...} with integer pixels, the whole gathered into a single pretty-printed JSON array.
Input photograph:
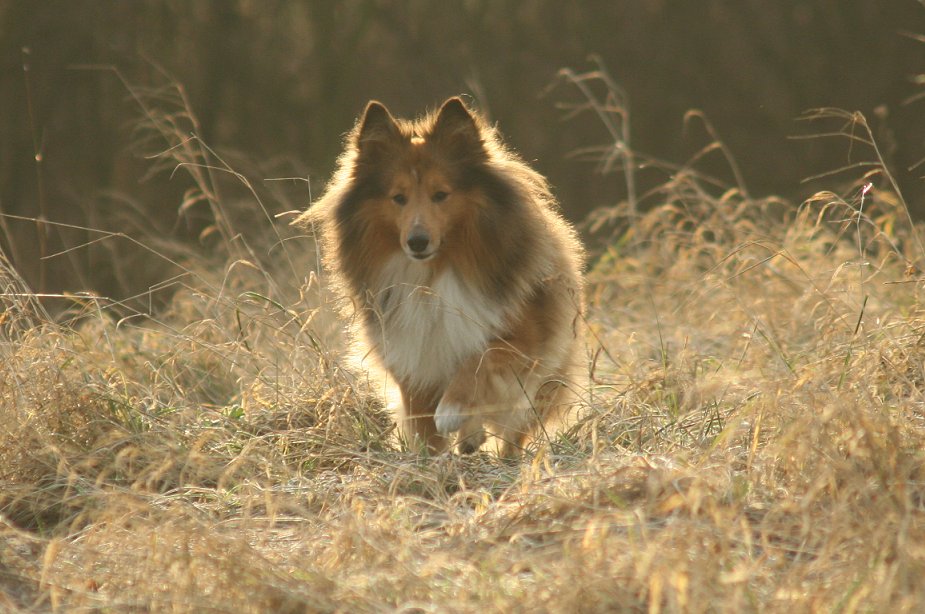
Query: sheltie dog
[{"x": 465, "y": 279}]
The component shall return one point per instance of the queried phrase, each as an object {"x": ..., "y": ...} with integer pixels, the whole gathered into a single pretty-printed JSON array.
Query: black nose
[{"x": 418, "y": 242}]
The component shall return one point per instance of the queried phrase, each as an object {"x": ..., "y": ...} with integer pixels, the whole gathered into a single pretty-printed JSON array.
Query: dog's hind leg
[{"x": 519, "y": 426}]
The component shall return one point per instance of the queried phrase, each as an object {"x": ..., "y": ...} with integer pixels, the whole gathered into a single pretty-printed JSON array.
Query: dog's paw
[
  {"x": 467, "y": 447},
  {"x": 470, "y": 439},
  {"x": 449, "y": 417}
]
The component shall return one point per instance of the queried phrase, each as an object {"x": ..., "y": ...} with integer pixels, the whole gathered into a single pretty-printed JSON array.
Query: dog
[{"x": 466, "y": 280}]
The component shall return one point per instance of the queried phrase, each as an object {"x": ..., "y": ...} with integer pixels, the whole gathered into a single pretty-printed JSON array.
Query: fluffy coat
[{"x": 466, "y": 280}]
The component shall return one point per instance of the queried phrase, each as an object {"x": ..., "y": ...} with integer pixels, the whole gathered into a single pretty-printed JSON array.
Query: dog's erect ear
[
  {"x": 457, "y": 128},
  {"x": 377, "y": 127}
]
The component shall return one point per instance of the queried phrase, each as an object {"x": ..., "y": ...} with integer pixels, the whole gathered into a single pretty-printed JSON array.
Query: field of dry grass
[{"x": 750, "y": 434}]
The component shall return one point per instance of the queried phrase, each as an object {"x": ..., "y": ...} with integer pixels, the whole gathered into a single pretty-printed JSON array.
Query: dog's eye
[
  {"x": 439, "y": 197},
  {"x": 400, "y": 199}
]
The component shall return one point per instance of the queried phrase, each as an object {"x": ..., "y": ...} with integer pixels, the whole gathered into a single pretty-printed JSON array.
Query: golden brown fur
[{"x": 466, "y": 279}]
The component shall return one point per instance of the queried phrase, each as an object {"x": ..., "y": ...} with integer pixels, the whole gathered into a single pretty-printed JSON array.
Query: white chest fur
[{"x": 426, "y": 327}]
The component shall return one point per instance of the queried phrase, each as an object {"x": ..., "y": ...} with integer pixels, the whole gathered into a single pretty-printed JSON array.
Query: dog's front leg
[
  {"x": 466, "y": 392},
  {"x": 416, "y": 420},
  {"x": 482, "y": 383}
]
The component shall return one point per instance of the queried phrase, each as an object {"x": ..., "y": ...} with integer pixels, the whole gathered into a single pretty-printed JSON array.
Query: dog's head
[{"x": 418, "y": 176}]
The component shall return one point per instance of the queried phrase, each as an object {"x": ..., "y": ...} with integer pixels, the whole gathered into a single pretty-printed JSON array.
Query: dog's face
[
  {"x": 427, "y": 206},
  {"x": 419, "y": 172}
]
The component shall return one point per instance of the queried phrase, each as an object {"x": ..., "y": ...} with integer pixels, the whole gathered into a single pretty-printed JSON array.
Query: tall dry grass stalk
[{"x": 750, "y": 434}]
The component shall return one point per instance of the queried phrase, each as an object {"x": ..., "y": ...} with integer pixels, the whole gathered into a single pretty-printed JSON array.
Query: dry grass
[{"x": 750, "y": 436}]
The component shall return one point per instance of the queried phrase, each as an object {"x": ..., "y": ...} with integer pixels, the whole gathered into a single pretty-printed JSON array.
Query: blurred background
[{"x": 272, "y": 86}]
